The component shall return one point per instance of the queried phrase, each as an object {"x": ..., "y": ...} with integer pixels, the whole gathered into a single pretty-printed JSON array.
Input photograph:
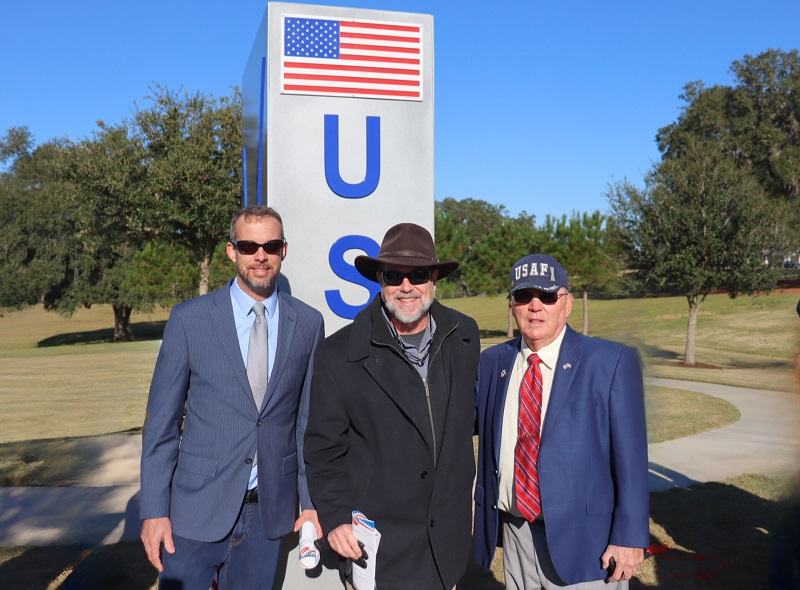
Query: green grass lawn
[
  {"x": 86, "y": 387},
  {"x": 65, "y": 378}
]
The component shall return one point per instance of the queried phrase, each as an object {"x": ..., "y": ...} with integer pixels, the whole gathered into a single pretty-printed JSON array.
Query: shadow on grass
[
  {"x": 53, "y": 462},
  {"x": 122, "y": 566},
  {"x": 711, "y": 536},
  {"x": 141, "y": 331},
  {"x": 36, "y": 567},
  {"x": 656, "y": 352},
  {"x": 759, "y": 364}
]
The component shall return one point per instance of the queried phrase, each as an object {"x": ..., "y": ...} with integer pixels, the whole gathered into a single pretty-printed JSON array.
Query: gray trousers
[{"x": 526, "y": 560}]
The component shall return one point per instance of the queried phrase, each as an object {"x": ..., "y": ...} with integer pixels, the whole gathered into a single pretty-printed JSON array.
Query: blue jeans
[{"x": 245, "y": 559}]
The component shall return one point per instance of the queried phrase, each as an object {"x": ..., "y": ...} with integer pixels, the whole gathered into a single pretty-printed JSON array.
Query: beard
[
  {"x": 258, "y": 284},
  {"x": 408, "y": 317}
]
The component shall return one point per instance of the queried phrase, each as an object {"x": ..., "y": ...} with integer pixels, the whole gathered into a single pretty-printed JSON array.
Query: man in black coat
[{"x": 390, "y": 425}]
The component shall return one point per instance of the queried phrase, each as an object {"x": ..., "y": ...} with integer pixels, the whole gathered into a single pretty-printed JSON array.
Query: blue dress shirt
[{"x": 244, "y": 317}]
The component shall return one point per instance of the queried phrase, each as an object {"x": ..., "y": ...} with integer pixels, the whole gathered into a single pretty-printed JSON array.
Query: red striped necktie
[{"x": 526, "y": 453}]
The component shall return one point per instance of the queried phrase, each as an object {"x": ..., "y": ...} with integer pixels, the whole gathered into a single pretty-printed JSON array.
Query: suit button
[
  {"x": 258, "y": 423},
  {"x": 494, "y": 506},
  {"x": 431, "y": 523},
  {"x": 423, "y": 475},
  {"x": 248, "y": 461}
]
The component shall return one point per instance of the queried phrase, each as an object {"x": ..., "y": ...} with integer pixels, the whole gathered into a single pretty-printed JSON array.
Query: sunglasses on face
[
  {"x": 249, "y": 248},
  {"x": 525, "y": 296},
  {"x": 394, "y": 278}
]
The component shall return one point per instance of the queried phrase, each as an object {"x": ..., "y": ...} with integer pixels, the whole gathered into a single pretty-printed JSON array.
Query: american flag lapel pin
[
  {"x": 502, "y": 373},
  {"x": 566, "y": 366}
]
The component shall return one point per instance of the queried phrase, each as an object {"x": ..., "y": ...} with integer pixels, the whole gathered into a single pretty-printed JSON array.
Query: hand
[
  {"x": 308, "y": 516},
  {"x": 344, "y": 542},
  {"x": 154, "y": 531},
  {"x": 627, "y": 561}
]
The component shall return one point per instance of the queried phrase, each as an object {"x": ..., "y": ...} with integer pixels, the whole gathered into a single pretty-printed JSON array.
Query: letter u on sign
[{"x": 334, "y": 179}]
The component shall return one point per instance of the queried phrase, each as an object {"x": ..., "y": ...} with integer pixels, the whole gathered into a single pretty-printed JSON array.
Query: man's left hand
[
  {"x": 626, "y": 561},
  {"x": 308, "y": 516}
]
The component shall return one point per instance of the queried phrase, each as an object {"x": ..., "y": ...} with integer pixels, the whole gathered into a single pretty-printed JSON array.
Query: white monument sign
[{"x": 338, "y": 138}]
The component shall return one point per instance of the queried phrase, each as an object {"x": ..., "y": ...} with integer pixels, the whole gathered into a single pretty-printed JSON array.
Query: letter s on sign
[{"x": 348, "y": 272}]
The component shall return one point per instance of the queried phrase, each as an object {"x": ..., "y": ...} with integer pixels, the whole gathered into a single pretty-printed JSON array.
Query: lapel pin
[
  {"x": 567, "y": 366},
  {"x": 502, "y": 373}
]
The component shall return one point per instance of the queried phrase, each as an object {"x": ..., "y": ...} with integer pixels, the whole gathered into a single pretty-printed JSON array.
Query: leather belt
[
  {"x": 251, "y": 496},
  {"x": 507, "y": 516}
]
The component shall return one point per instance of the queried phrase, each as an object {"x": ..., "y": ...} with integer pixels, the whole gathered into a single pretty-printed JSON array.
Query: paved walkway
[
  {"x": 764, "y": 440},
  {"x": 104, "y": 508}
]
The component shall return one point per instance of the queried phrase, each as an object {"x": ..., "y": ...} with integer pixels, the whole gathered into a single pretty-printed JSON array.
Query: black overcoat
[{"x": 370, "y": 445}]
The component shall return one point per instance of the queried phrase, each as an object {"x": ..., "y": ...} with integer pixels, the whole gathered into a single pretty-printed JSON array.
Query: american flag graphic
[{"x": 356, "y": 58}]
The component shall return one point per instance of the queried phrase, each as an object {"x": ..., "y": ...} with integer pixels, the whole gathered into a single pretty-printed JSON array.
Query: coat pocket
[
  {"x": 198, "y": 464},
  {"x": 584, "y": 403},
  {"x": 290, "y": 464}
]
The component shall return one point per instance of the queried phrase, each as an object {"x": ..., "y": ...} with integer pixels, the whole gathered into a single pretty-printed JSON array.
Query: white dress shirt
[{"x": 508, "y": 441}]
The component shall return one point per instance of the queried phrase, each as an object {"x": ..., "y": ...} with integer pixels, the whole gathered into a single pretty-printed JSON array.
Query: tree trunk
[
  {"x": 691, "y": 330},
  {"x": 585, "y": 330},
  {"x": 122, "y": 323},
  {"x": 205, "y": 269},
  {"x": 510, "y": 331}
]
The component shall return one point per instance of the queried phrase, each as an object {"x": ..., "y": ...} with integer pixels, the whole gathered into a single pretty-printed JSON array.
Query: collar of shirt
[
  {"x": 243, "y": 315},
  {"x": 416, "y": 356},
  {"x": 549, "y": 353},
  {"x": 243, "y": 303}
]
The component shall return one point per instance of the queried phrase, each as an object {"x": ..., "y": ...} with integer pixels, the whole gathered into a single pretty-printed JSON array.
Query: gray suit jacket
[{"x": 198, "y": 476}]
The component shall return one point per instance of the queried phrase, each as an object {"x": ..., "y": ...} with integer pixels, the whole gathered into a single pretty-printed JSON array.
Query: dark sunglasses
[
  {"x": 250, "y": 248},
  {"x": 525, "y": 296},
  {"x": 394, "y": 278}
]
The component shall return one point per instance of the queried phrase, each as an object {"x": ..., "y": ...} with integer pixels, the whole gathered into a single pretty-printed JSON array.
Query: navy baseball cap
[{"x": 538, "y": 271}]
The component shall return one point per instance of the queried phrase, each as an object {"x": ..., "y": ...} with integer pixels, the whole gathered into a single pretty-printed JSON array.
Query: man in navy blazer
[
  {"x": 221, "y": 476},
  {"x": 586, "y": 505}
]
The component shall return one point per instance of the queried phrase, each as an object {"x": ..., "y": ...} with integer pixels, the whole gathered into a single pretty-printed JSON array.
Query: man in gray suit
[{"x": 222, "y": 447}]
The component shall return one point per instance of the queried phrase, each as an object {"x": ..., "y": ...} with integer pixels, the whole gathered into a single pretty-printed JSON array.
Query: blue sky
[{"x": 539, "y": 105}]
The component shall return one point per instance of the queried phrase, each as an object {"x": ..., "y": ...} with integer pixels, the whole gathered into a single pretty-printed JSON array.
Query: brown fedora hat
[{"x": 405, "y": 244}]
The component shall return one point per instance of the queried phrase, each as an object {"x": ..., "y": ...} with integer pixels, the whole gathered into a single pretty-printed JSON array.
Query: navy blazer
[
  {"x": 198, "y": 477},
  {"x": 592, "y": 458}
]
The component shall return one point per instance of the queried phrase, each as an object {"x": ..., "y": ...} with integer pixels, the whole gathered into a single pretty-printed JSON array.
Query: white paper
[
  {"x": 309, "y": 554},
  {"x": 365, "y": 531}
]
